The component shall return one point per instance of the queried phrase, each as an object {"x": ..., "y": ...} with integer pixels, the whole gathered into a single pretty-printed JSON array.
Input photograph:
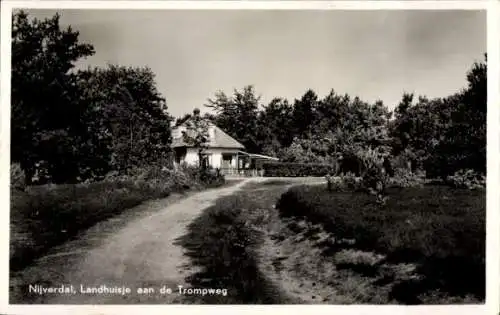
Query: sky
[{"x": 371, "y": 54}]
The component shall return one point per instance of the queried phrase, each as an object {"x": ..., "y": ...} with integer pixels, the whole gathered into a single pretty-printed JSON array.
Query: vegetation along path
[{"x": 138, "y": 253}]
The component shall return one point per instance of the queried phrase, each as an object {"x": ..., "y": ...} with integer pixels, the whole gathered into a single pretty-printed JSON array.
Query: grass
[
  {"x": 424, "y": 246},
  {"x": 439, "y": 229},
  {"x": 223, "y": 242},
  {"x": 45, "y": 216}
]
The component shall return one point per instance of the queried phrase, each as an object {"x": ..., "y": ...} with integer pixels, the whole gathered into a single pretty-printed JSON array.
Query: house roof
[{"x": 220, "y": 139}]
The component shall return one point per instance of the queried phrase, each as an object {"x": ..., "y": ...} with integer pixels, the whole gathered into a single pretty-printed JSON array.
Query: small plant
[
  {"x": 468, "y": 179},
  {"x": 17, "y": 177},
  {"x": 351, "y": 182},
  {"x": 347, "y": 182},
  {"x": 42, "y": 173},
  {"x": 405, "y": 178},
  {"x": 211, "y": 177},
  {"x": 334, "y": 183},
  {"x": 374, "y": 182},
  {"x": 282, "y": 169}
]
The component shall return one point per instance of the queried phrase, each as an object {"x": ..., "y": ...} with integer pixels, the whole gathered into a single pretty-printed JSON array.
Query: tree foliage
[
  {"x": 237, "y": 115},
  {"x": 439, "y": 136},
  {"x": 274, "y": 126},
  {"x": 196, "y": 134},
  {"x": 126, "y": 109},
  {"x": 444, "y": 135},
  {"x": 79, "y": 124},
  {"x": 46, "y": 107}
]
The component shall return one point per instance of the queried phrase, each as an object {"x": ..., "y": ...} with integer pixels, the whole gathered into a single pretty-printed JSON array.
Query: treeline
[
  {"x": 71, "y": 125},
  {"x": 439, "y": 136}
]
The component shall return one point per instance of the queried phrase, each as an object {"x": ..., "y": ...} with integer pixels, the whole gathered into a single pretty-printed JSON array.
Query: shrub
[
  {"x": 42, "y": 173},
  {"x": 297, "y": 169},
  {"x": 440, "y": 228},
  {"x": 54, "y": 213},
  {"x": 164, "y": 179},
  {"x": 468, "y": 179},
  {"x": 334, "y": 183},
  {"x": 406, "y": 178},
  {"x": 17, "y": 177},
  {"x": 351, "y": 181},
  {"x": 347, "y": 182},
  {"x": 211, "y": 177},
  {"x": 374, "y": 180}
]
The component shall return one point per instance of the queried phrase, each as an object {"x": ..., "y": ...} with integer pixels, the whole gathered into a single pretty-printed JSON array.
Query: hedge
[{"x": 278, "y": 169}]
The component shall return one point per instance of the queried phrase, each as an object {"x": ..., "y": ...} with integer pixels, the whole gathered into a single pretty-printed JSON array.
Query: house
[{"x": 223, "y": 152}]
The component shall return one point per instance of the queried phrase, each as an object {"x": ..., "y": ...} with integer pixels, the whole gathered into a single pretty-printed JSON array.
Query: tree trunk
[{"x": 201, "y": 162}]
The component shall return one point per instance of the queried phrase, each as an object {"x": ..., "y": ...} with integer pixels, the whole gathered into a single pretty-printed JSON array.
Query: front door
[{"x": 227, "y": 161}]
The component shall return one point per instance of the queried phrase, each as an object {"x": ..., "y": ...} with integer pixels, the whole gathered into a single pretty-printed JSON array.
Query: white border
[
  {"x": 493, "y": 236},
  {"x": 269, "y": 4},
  {"x": 493, "y": 176}
]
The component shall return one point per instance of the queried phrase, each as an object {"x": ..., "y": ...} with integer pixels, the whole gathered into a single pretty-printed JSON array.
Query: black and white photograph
[{"x": 171, "y": 156}]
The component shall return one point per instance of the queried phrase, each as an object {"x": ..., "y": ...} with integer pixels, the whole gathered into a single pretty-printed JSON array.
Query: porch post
[{"x": 237, "y": 163}]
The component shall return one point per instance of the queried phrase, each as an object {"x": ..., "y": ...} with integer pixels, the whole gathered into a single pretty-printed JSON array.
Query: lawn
[{"x": 438, "y": 229}]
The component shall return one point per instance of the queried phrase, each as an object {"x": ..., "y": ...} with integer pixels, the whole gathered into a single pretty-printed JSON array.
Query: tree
[
  {"x": 304, "y": 113},
  {"x": 464, "y": 143},
  {"x": 331, "y": 112},
  {"x": 128, "y": 110},
  {"x": 43, "y": 91},
  {"x": 196, "y": 135},
  {"x": 419, "y": 128},
  {"x": 237, "y": 115},
  {"x": 444, "y": 135},
  {"x": 274, "y": 125}
]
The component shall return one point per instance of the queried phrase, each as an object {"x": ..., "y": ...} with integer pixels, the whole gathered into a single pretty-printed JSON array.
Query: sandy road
[{"x": 140, "y": 253}]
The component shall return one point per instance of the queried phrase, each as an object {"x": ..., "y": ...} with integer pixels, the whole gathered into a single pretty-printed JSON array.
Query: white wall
[
  {"x": 215, "y": 159},
  {"x": 191, "y": 157}
]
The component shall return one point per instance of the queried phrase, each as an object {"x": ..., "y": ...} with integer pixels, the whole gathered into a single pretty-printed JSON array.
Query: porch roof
[{"x": 258, "y": 156}]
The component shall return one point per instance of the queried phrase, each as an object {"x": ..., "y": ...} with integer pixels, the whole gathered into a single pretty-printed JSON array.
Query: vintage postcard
[{"x": 240, "y": 153}]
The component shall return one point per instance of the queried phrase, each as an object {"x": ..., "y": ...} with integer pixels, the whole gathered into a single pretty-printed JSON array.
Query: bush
[
  {"x": 374, "y": 180},
  {"x": 17, "y": 177},
  {"x": 347, "y": 182},
  {"x": 440, "y": 228},
  {"x": 211, "y": 177},
  {"x": 468, "y": 179},
  {"x": 351, "y": 181},
  {"x": 334, "y": 183},
  {"x": 405, "y": 178},
  {"x": 54, "y": 213},
  {"x": 297, "y": 169},
  {"x": 208, "y": 177}
]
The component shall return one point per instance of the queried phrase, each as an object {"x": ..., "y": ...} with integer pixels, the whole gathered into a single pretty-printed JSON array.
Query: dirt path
[{"x": 140, "y": 253}]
